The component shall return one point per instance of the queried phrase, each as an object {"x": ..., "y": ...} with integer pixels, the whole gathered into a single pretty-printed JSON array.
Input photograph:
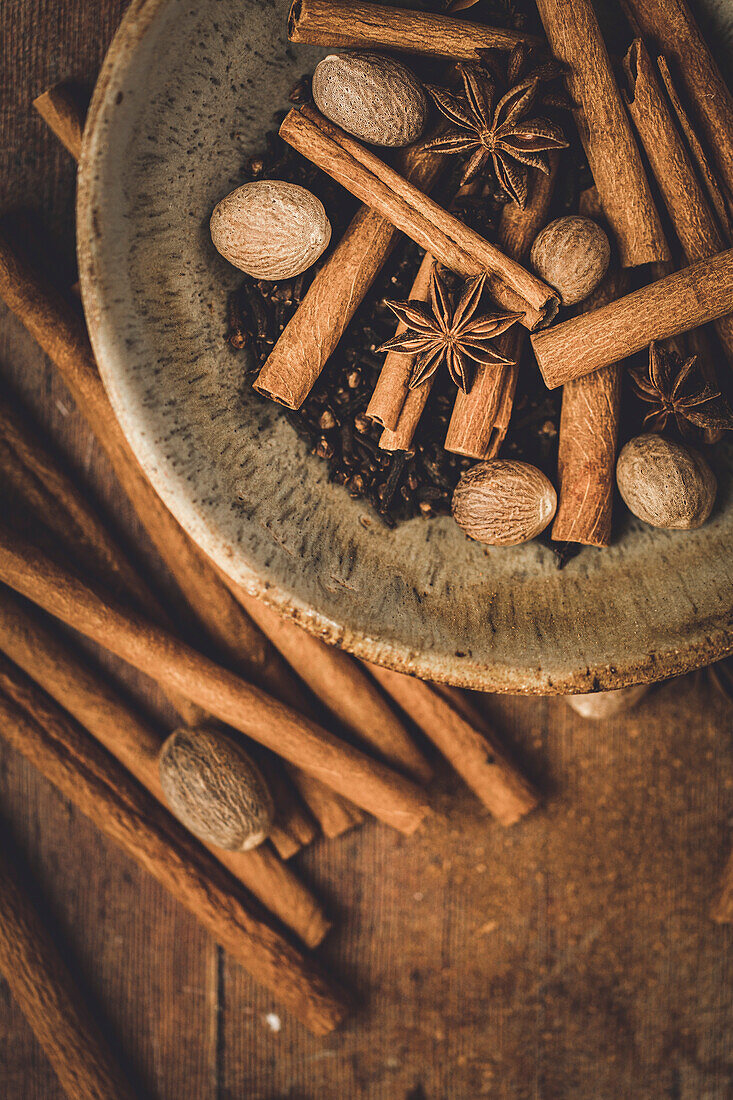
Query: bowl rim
[{"x": 709, "y": 645}]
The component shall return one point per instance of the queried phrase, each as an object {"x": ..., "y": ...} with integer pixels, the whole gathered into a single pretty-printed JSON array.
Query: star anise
[
  {"x": 498, "y": 131},
  {"x": 443, "y": 332},
  {"x": 669, "y": 385}
]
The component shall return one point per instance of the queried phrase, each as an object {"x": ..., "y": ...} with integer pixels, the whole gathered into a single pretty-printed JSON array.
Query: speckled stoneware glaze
[{"x": 187, "y": 92}]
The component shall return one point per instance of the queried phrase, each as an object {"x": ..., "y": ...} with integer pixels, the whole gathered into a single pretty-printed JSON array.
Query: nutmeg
[
  {"x": 605, "y": 704},
  {"x": 503, "y": 502},
  {"x": 572, "y": 255},
  {"x": 214, "y": 788},
  {"x": 667, "y": 484},
  {"x": 270, "y": 229},
  {"x": 375, "y": 98}
]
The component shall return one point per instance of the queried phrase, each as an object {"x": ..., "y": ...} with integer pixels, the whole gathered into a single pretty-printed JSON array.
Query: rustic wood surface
[{"x": 569, "y": 957}]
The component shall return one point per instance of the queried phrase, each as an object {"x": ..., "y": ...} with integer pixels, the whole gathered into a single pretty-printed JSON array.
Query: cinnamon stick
[
  {"x": 60, "y": 332},
  {"x": 586, "y": 459},
  {"x": 400, "y": 437},
  {"x": 681, "y": 301},
  {"x": 683, "y": 194},
  {"x": 50, "y": 999},
  {"x": 307, "y": 341},
  {"x": 143, "y": 644},
  {"x": 63, "y": 108},
  {"x": 373, "y": 26},
  {"x": 715, "y": 194},
  {"x": 468, "y": 745},
  {"x": 480, "y": 418},
  {"x": 393, "y": 384},
  {"x": 104, "y": 792},
  {"x": 42, "y": 492},
  {"x": 670, "y": 28},
  {"x": 414, "y": 213},
  {"x": 341, "y": 684},
  {"x": 66, "y": 674},
  {"x": 575, "y": 38}
]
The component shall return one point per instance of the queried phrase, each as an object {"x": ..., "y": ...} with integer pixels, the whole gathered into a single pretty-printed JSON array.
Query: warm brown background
[{"x": 568, "y": 958}]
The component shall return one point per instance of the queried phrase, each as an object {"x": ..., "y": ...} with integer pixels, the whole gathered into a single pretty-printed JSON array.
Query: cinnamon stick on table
[
  {"x": 50, "y": 999},
  {"x": 143, "y": 644},
  {"x": 463, "y": 737},
  {"x": 575, "y": 38},
  {"x": 683, "y": 194},
  {"x": 40, "y": 493},
  {"x": 66, "y": 674},
  {"x": 103, "y": 791},
  {"x": 343, "y": 23},
  {"x": 60, "y": 332},
  {"x": 679, "y": 302},
  {"x": 480, "y": 418},
  {"x": 586, "y": 460},
  {"x": 669, "y": 27},
  {"x": 414, "y": 213}
]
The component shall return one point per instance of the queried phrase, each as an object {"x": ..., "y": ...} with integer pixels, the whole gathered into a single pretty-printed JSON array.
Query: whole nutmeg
[
  {"x": 375, "y": 98},
  {"x": 665, "y": 483},
  {"x": 503, "y": 503},
  {"x": 213, "y": 787},
  {"x": 572, "y": 255},
  {"x": 604, "y": 704},
  {"x": 270, "y": 229}
]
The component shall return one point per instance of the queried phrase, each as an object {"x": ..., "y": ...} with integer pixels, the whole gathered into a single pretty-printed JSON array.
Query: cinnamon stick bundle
[
  {"x": 50, "y": 999},
  {"x": 36, "y": 488},
  {"x": 100, "y": 788},
  {"x": 374, "y": 26},
  {"x": 414, "y": 213},
  {"x": 586, "y": 459},
  {"x": 575, "y": 38},
  {"x": 681, "y": 301},
  {"x": 683, "y": 194},
  {"x": 466, "y": 742},
  {"x": 393, "y": 385},
  {"x": 480, "y": 418},
  {"x": 66, "y": 674},
  {"x": 144, "y": 645},
  {"x": 670, "y": 28}
]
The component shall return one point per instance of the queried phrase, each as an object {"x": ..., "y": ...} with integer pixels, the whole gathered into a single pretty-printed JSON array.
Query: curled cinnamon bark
[
  {"x": 575, "y": 38},
  {"x": 375, "y": 26}
]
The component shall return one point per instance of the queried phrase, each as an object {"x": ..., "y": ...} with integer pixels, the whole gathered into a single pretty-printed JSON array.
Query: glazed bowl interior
[{"x": 187, "y": 93}]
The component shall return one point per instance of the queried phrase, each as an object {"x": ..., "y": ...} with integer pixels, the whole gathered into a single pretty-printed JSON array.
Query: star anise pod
[
  {"x": 441, "y": 332},
  {"x": 669, "y": 385},
  {"x": 498, "y": 131}
]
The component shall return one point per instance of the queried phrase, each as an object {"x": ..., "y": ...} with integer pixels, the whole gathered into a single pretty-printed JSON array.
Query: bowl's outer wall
[{"x": 187, "y": 93}]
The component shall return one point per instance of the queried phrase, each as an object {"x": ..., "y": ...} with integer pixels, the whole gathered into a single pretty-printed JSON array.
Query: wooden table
[{"x": 567, "y": 958}]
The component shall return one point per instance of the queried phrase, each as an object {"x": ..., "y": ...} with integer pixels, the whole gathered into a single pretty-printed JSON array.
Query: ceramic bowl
[{"x": 186, "y": 93}]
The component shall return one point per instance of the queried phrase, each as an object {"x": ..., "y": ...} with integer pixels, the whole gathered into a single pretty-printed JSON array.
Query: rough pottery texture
[{"x": 187, "y": 93}]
